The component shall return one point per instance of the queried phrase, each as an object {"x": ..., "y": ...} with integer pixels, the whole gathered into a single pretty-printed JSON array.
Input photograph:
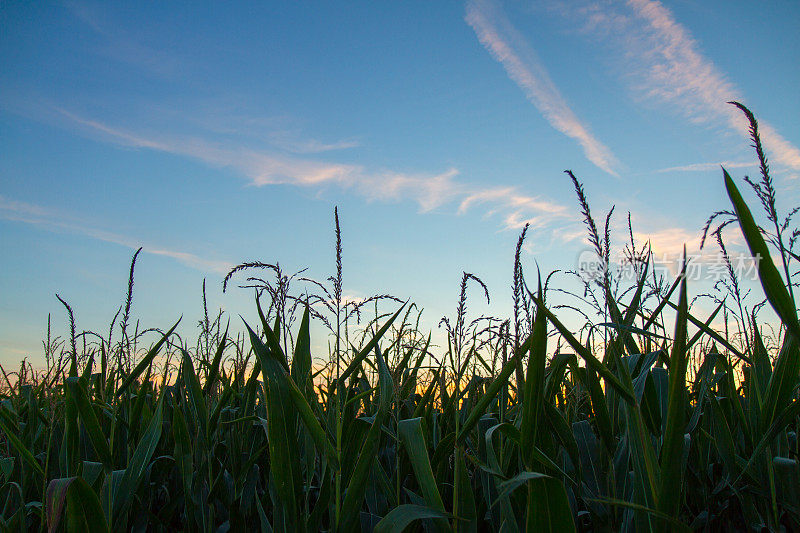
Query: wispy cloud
[
  {"x": 260, "y": 167},
  {"x": 428, "y": 190},
  {"x": 703, "y": 167},
  {"x": 51, "y": 220},
  {"x": 663, "y": 63},
  {"x": 290, "y": 142},
  {"x": 516, "y": 209},
  {"x": 14, "y": 208},
  {"x": 523, "y": 66},
  {"x": 120, "y": 46}
]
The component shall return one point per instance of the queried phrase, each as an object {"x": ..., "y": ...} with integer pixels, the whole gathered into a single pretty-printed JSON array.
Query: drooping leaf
[{"x": 83, "y": 510}]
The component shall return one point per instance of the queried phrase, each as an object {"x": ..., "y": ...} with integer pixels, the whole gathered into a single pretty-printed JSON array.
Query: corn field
[{"x": 648, "y": 418}]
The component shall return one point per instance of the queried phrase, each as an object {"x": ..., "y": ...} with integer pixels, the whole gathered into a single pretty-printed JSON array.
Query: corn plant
[{"x": 659, "y": 423}]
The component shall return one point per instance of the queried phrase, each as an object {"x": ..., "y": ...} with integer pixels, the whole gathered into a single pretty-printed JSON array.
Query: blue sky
[{"x": 213, "y": 134}]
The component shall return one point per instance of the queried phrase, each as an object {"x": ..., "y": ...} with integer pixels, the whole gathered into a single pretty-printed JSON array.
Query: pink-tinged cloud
[
  {"x": 680, "y": 73},
  {"x": 261, "y": 168},
  {"x": 522, "y": 65},
  {"x": 663, "y": 63}
]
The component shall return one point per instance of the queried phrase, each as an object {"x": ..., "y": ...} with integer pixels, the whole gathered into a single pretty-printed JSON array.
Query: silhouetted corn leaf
[
  {"x": 532, "y": 408},
  {"x": 213, "y": 372},
  {"x": 588, "y": 356},
  {"x": 491, "y": 392},
  {"x": 670, "y": 491},
  {"x": 355, "y": 490},
  {"x": 96, "y": 437},
  {"x": 784, "y": 377},
  {"x": 131, "y": 478},
  {"x": 301, "y": 362},
  {"x": 355, "y": 364},
  {"x": 146, "y": 360}
]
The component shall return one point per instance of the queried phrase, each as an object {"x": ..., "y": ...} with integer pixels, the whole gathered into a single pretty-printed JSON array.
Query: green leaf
[
  {"x": 675, "y": 524},
  {"x": 534, "y": 385},
  {"x": 669, "y": 499},
  {"x": 626, "y": 393},
  {"x": 467, "y": 510},
  {"x": 310, "y": 421},
  {"x": 83, "y": 509},
  {"x": 301, "y": 362},
  {"x": 548, "y": 507},
  {"x": 23, "y": 451},
  {"x": 213, "y": 373},
  {"x": 354, "y": 496},
  {"x": 183, "y": 455},
  {"x": 274, "y": 370},
  {"x": 784, "y": 377},
  {"x": 625, "y": 323},
  {"x": 547, "y": 504},
  {"x": 411, "y": 435},
  {"x": 491, "y": 392},
  {"x": 786, "y": 416},
  {"x": 281, "y": 426},
  {"x": 723, "y": 438},
  {"x": 77, "y": 387},
  {"x": 197, "y": 401},
  {"x": 133, "y": 474},
  {"x": 599, "y": 407},
  {"x": 771, "y": 280},
  {"x": 404, "y": 515}
]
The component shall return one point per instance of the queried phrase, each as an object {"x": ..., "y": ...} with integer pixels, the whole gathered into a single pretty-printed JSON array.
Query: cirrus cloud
[{"x": 523, "y": 66}]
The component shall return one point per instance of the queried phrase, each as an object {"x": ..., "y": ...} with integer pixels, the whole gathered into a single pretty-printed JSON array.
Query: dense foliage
[{"x": 648, "y": 419}]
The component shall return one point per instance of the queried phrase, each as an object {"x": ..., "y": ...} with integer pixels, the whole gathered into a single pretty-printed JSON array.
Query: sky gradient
[{"x": 216, "y": 134}]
